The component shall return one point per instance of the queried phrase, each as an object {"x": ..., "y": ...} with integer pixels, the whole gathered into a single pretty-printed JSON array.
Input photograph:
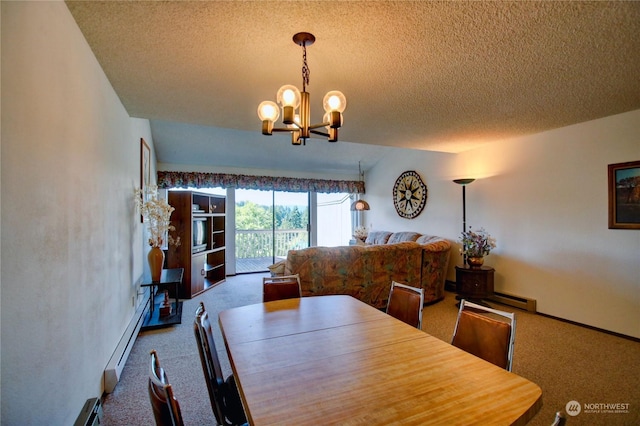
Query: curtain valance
[{"x": 168, "y": 180}]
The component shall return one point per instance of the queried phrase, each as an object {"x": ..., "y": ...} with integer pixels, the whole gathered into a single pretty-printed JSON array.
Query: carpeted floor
[{"x": 569, "y": 362}]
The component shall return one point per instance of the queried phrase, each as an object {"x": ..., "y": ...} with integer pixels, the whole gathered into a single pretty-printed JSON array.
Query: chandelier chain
[{"x": 305, "y": 69}]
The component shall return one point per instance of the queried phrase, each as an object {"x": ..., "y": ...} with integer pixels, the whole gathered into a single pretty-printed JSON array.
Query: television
[{"x": 199, "y": 242}]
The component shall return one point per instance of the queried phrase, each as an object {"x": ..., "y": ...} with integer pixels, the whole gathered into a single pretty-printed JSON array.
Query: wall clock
[{"x": 409, "y": 194}]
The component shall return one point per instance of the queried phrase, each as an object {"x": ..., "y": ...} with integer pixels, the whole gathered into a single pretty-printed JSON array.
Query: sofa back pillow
[
  {"x": 400, "y": 237},
  {"x": 433, "y": 243},
  {"x": 377, "y": 237}
]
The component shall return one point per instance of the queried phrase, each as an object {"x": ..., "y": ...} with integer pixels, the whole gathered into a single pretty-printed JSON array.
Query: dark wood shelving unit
[{"x": 200, "y": 221}]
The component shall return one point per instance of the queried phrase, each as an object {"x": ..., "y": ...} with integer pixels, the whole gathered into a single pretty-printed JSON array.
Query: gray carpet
[{"x": 569, "y": 362}]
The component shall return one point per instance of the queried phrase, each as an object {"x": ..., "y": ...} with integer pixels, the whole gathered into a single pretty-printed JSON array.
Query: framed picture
[
  {"x": 145, "y": 167},
  {"x": 624, "y": 195}
]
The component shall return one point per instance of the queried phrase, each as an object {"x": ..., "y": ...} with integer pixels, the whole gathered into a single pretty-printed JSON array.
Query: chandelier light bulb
[
  {"x": 288, "y": 95},
  {"x": 269, "y": 111},
  {"x": 334, "y": 101}
]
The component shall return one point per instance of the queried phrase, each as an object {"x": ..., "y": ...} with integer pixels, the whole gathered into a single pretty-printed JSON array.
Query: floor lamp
[{"x": 464, "y": 183}]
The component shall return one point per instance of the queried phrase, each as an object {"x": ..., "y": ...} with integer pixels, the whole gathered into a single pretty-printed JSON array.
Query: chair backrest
[
  {"x": 560, "y": 419},
  {"x": 484, "y": 336},
  {"x": 166, "y": 409},
  {"x": 405, "y": 303},
  {"x": 283, "y": 287},
  {"x": 210, "y": 362}
]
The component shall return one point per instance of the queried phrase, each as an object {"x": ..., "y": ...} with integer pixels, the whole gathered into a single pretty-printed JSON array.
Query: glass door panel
[
  {"x": 334, "y": 220},
  {"x": 291, "y": 222},
  {"x": 268, "y": 224},
  {"x": 254, "y": 228}
]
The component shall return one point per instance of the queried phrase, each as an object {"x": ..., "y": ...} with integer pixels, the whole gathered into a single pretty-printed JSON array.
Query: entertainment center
[{"x": 199, "y": 221}]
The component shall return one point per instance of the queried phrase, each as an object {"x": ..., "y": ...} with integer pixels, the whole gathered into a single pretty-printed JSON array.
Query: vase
[
  {"x": 475, "y": 262},
  {"x": 156, "y": 262}
]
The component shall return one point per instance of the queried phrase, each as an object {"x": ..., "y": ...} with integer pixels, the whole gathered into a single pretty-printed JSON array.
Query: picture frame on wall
[
  {"x": 624, "y": 195},
  {"x": 145, "y": 168}
]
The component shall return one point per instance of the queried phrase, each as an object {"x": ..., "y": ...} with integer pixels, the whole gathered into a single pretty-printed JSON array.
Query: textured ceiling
[{"x": 441, "y": 76}]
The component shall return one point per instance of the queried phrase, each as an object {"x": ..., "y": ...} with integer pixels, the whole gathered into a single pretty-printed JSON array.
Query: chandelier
[{"x": 296, "y": 109}]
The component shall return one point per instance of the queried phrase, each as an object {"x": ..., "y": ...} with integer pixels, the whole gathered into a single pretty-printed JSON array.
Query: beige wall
[
  {"x": 544, "y": 198},
  {"x": 71, "y": 241}
]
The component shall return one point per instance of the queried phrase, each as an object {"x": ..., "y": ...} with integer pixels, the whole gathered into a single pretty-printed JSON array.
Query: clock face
[{"x": 409, "y": 194}]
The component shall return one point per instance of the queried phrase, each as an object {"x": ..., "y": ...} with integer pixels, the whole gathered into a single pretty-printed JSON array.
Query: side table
[
  {"x": 475, "y": 283},
  {"x": 153, "y": 319}
]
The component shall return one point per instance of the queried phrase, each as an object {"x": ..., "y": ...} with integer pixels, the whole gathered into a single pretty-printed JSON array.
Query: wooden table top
[{"x": 336, "y": 360}]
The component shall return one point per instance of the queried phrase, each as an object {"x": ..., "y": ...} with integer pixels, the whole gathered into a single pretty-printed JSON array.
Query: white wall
[
  {"x": 71, "y": 241},
  {"x": 544, "y": 198}
]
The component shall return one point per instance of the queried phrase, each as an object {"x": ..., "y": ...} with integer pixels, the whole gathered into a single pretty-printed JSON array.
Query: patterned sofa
[{"x": 366, "y": 271}]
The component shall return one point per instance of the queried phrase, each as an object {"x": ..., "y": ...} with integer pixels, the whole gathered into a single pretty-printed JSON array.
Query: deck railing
[{"x": 259, "y": 243}]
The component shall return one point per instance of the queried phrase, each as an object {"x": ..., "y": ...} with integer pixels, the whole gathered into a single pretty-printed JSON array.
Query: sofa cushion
[
  {"x": 378, "y": 237},
  {"x": 432, "y": 243},
  {"x": 277, "y": 269},
  {"x": 400, "y": 237}
]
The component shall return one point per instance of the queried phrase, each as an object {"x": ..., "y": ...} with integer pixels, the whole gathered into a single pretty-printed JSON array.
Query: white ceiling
[{"x": 441, "y": 76}]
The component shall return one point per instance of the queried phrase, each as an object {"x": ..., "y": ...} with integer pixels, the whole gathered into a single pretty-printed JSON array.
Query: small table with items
[
  {"x": 155, "y": 318},
  {"x": 474, "y": 283}
]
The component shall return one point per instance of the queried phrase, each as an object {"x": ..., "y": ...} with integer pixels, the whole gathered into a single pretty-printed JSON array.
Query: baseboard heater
[
  {"x": 113, "y": 370},
  {"x": 515, "y": 301},
  {"x": 91, "y": 414}
]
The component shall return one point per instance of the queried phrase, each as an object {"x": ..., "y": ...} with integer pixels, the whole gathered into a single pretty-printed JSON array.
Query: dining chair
[
  {"x": 223, "y": 394},
  {"x": 480, "y": 333},
  {"x": 560, "y": 419},
  {"x": 166, "y": 409},
  {"x": 405, "y": 303},
  {"x": 283, "y": 287}
]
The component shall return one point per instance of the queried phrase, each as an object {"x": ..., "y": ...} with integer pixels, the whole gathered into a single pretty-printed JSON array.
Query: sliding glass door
[
  {"x": 334, "y": 220},
  {"x": 268, "y": 224}
]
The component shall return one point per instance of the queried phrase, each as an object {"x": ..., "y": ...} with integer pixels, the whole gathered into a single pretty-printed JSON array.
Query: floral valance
[{"x": 168, "y": 180}]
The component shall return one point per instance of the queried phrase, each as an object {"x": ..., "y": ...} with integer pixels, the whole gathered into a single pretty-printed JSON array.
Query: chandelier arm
[
  {"x": 317, "y": 132},
  {"x": 317, "y": 126}
]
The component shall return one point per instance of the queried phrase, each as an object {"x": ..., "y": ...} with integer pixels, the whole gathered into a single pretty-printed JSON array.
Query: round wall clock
[{"x": 409, "y": 194}]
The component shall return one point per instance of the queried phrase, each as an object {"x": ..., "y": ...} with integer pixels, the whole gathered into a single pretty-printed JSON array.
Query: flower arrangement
[
  {"x": 156, "y": 213},
  {"x": 477, "y": 244},
  {"x": 360, "y": 233}
]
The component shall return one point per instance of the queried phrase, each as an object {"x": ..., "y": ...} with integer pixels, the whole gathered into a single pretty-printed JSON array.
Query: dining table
[{"x": 334, "y": 360}]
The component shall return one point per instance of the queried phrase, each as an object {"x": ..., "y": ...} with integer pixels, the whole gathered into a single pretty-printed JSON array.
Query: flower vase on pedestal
[
  {"x": 156, "y": 262},
  {"x": 475, "y": 262}
]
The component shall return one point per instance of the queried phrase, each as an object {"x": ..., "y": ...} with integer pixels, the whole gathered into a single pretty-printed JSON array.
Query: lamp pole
[
  {"x": 464, "y": 183},
  {"x": 464, "y": 208}
]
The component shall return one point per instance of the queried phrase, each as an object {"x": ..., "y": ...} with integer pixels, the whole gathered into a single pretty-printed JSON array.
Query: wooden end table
[{"x": 475, "y": 283}]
